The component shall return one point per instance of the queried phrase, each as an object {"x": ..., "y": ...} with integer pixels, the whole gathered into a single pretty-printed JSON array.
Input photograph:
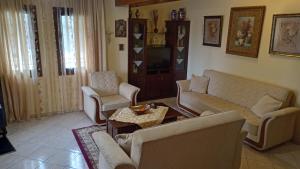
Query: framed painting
[
  {"x": 245, "y": 28},
  {"x": 120, "y": 28},
  {"x": 285, "y": 38},
  {"x": 212, "y": 35}
]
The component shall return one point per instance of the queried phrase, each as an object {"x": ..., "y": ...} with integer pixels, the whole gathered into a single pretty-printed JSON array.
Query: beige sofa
[
  {"x": 228, "y": 92},
  {"x": 211, "y": 142}
]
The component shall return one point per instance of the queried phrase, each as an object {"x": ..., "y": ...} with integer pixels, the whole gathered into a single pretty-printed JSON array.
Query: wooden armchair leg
[{"x": 98, "y": 120}]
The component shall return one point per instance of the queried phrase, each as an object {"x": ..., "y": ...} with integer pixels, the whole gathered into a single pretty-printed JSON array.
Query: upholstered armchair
[
  {"x": 106, "y": 93},
  {"x": 210, "y": 142}
]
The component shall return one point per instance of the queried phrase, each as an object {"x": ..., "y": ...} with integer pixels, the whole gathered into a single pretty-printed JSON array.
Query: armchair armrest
[
  {"x": 111, "y": 154},
  {"x": 183, "y": 85},
  {"x": 129, "y": 91},
  {"x": 91, "y": 93}
]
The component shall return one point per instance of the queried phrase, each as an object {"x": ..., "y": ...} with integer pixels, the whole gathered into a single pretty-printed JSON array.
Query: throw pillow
[
  {"x": 124, "y": 141},
  {"x": 199, "y": 84},
  {"x": 266, "y": 105}
]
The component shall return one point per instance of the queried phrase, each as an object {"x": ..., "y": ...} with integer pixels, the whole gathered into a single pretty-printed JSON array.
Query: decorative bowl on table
[{"x": 140, "y": 109}]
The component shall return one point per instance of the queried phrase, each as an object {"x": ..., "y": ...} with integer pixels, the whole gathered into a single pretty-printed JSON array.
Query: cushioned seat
[
  {"x": 200, "y": 102},
  {"x": 114, "y": 102}
]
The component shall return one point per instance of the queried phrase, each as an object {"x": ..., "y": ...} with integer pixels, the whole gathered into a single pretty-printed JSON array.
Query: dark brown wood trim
[
  {"x": 98, "y": 111},
  {"x": 183, "y": 107},
  {"x": 260, "y": 144},
  {"x": 136, "y": 3},
  {"x": 133, "y": 101}
]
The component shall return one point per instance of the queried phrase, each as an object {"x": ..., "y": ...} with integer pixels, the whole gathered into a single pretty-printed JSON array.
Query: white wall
[
  {"x": 116, "y": 60},
  {"x": 280, "y": 70}
]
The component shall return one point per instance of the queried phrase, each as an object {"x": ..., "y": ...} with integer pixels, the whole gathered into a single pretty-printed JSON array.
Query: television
[{"x": 158, "y": 59}]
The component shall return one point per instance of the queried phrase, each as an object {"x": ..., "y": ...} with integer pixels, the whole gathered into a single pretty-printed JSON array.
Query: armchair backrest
[
  {"x": 211, "y": 142},
  {"x": 105, "y": 83}
]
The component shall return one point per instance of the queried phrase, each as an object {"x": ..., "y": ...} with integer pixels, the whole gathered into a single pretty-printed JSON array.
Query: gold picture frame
[
  {"x": 285, "y": 37},
  {"x": 245, "y": 29}
]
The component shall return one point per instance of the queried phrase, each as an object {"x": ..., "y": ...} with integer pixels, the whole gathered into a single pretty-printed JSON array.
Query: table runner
[{"x": 152, "y": 118}]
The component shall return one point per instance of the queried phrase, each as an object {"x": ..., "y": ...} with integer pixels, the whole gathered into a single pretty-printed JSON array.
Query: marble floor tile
[{"x": 48, "y": 143}]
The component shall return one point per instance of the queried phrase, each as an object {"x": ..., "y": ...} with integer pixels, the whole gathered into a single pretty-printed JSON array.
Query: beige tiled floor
[{"x": 48, "y": 143}]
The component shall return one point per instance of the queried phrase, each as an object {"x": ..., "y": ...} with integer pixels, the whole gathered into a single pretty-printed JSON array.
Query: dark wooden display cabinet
[
  {"x": 177, "y": 37},
  {"x": 137, "y": 49},
  {"x": 160, "y": 83}
]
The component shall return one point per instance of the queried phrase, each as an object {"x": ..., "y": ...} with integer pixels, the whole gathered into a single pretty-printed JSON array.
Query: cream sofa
[
  {"x": 106, "y": 93},
  {"x": 228, "y": 92},
  {"x": 211, "y": 142}
]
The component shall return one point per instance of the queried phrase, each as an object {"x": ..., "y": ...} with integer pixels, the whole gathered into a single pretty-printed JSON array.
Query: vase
[
  {"x": 173, "y": 15},
  {"x": 181, "y": 14}
]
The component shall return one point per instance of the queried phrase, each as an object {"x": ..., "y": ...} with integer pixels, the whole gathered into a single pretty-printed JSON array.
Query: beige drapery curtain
[{"x": 27, "y": 94}]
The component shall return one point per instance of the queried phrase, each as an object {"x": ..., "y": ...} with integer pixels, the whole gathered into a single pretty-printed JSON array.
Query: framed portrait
[
  {"x": 120, "y": 28},
  {"x": 212, "y": 35},
  {"x": 245, "y": 28},
  {"x": 285, "y": 38}
]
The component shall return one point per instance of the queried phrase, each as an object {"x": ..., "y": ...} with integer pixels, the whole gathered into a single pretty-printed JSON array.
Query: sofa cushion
[
  {"x": 266, "y": 105},
  {"x": 114, "y": 102},
  {"x": 242, "y": 91},
  {"x": 125, "y": 141},
  {"x": 202, "y": 102},
  {"x": 105, "y": 83},
  {"x": 199, "y": 84}
]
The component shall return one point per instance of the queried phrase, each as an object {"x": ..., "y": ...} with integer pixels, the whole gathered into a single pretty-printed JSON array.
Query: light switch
[{"x": 121, "y": 47}]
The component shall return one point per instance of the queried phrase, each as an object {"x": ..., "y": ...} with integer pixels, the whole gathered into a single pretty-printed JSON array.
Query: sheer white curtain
[
  {"x": 17, "y": 62},
  {"x": 70, "y": 44}
]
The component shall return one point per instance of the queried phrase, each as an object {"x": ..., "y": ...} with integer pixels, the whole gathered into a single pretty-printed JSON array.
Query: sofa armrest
[
  {"x": 279, "y": 126},
  {"x": 111, "y": 154},
  {"x": 183, "y": 85},
  {"x": 281, "y": 112},
  {"x": 129, "y": 91}
]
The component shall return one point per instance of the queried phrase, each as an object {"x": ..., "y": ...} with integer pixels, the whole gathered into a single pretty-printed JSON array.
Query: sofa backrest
[
  {"x": 205, "y": 142},
  {"x": 105, "y": 83},
  {"x": 243, "y": 91}
]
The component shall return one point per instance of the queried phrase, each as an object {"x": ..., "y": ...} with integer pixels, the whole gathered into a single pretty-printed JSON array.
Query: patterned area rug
[{"x": 87, "y": 145}]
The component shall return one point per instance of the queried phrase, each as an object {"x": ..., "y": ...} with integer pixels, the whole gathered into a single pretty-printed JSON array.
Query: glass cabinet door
[
  {"x": 181, "y": 47},
  {"x": 138, "y": 47}
]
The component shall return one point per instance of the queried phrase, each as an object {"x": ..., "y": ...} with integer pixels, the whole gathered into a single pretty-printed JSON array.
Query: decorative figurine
[
  {"x": 155, "y": 18},
  {"x": 137, "y": 13}
]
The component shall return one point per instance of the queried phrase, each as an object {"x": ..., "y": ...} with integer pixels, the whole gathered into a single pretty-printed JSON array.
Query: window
[
  {"x": 64, "y": 31},
  {"x": 32, "y": 39}
]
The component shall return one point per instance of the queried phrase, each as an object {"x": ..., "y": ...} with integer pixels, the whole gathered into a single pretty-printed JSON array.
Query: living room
[{"x": 228, "y": 96}]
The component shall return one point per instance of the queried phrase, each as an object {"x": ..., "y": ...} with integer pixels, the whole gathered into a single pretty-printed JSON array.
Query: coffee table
[{"x": 115, "y": 127}]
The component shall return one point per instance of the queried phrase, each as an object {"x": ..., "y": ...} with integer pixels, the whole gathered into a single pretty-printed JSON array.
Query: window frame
[
  {"x": 57, "y": 13},
  {"x": 31, "y": 10}
]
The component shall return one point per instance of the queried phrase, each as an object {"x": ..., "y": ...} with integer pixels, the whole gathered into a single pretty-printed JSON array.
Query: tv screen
[{"x": 159, "y": 58}]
